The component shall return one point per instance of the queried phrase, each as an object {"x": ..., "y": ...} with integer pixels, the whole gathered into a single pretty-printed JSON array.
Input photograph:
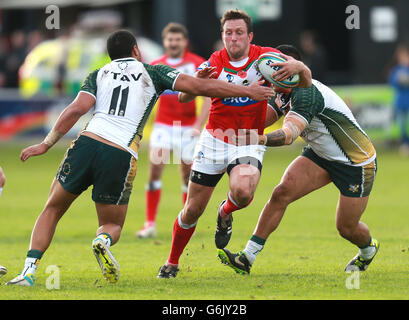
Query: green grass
[{"x": 303, "y": 259}]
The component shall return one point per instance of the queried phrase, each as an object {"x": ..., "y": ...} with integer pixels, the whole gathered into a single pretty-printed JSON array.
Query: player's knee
[
  {"x": 192, "y": 213},
  {"x": 282, "y": 194},
  {"x": 345, "y": 231},
  {"x": 242, "y": 195}
]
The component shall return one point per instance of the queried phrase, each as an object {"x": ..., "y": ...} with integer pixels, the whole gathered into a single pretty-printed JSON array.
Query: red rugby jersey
[
  {"x": 169, "y": 107},
  {"x": 227, "y": 114}
]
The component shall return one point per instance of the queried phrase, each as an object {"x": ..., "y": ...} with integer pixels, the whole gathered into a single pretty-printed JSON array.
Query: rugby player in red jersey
[
  {"x": 177, "y": 127},
  {"x": 215, "y": 151}
]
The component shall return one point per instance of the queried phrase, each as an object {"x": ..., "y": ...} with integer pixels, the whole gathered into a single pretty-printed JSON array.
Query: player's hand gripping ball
[{"x": 267, "y": 66}]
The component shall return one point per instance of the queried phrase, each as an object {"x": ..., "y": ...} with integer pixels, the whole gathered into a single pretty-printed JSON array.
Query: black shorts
[
  {"x": 110, "y": 170},
  {"x": 211, "y": 180},
  {"x": 350, "y": 180}
]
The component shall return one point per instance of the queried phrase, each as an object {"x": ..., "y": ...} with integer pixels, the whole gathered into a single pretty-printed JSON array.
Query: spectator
[
  {"x": 314, "y": 55},
  {"x": 16, "y": 58},
  {"x": 3, "y": 55},
  {"x": 399, "y": 80},
  {"x": 33, "y": 39}
]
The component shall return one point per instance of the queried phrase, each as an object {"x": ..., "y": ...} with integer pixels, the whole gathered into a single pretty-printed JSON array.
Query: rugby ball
[{"x": 267, "y": 69}]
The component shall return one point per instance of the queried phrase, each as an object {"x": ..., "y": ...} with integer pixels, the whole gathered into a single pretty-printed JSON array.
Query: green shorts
[
  {"x": 90, "y": 162},
  {"x": 351, "y": 181}
]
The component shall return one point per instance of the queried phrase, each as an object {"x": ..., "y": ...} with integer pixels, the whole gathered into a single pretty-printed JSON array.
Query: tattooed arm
[{"x": 293, "y": 125}]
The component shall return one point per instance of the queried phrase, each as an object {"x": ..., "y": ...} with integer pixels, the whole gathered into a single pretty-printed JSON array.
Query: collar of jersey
[
  {"x": 125, "y": 59},
  {"x": 232, "y": 69}
]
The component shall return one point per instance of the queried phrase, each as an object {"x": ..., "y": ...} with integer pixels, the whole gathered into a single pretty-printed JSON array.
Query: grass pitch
[{"x": 303, "y": 259}]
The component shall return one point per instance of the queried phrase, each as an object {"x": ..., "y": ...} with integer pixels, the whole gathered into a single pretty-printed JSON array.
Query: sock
[
  {"x": 152, "y": 195},
  {"x": 106, "y": 238},
  {"x": 180, "y": 238},
  {"x": 253, "y": 248},
  {"x": 230, "y": 206},
  {"x": 368, "y": 251},
  {"x": 184, "y": 194},
  {"x": 32, "y": 261}
]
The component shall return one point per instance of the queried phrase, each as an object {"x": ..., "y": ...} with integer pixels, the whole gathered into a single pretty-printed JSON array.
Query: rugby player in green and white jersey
[
  {"x": 338, "y": 151},
  {"x": 104, "y": 155}
]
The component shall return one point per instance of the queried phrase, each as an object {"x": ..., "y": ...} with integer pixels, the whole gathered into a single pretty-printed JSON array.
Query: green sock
[{"x": 253, "y": 248}]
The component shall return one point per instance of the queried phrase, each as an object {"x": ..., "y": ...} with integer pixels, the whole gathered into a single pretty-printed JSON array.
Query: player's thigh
[
  {"x": 156, "y": 167},
  {"x": 111, "y": 213},
  {"x": 301, "y": 177},
  {"x": 160, "y": 144},
  {"x": 185, "y": 172},
  {"x": 59, "y": 199},
  {"x": 184, "y": 148},
  {"x": 350, "y": 210},
  {"x": 158, "y": 157}
]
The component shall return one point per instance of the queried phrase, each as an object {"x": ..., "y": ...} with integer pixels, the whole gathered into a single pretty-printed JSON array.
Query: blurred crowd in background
[
  {"x": 14, "y": 48},
  {"x": 36, "y": 62}
]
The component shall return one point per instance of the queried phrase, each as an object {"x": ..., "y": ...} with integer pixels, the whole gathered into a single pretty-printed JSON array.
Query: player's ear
[
  {"x": 251, "y": 35},
  {"x": 136, "y": 53}
]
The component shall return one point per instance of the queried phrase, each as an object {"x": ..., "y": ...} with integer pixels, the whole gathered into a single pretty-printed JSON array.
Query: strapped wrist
[{"x": 52, "y": 138}]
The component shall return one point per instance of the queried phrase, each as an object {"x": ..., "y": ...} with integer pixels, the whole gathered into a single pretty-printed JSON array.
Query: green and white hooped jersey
[
  {"x": 126, "y": 91},
  {"x": 332, "y": 131}
]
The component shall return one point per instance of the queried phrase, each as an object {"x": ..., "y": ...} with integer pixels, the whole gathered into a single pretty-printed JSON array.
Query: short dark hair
[
  {"x": 290, "y": 50},
  {"x": 120, "y": 44},
  {"x": 174, "y": 27},
  {"x": 237, "y": 15}
]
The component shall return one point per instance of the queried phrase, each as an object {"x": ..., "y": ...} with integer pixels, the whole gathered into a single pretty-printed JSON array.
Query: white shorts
[
  {"x": 178, "y": 139},
  {"x": 212, "y": 156}
]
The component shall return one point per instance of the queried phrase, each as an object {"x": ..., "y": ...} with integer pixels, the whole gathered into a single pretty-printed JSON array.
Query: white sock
[
  {"x": 367, "y": 252},
  {"x": 30, "y": 266},
  {"x": 252, "y": 250}
]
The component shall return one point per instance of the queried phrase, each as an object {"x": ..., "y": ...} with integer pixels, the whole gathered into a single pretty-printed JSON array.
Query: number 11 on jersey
[{"x": 114, "y": 101}]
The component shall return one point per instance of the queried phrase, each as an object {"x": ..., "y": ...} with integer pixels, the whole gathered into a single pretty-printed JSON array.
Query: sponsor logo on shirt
[{"x": 238, "y": 101}]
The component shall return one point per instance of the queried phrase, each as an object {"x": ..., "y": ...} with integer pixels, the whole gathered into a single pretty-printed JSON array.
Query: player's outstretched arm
[
  {"x": 291, "y": 67},
  {"x": 221, "y": 89},
  {"x": 80, "y": 106},
  {"x": 293, "y": 125},
  {"x": 205, "y": 73},
  {"x": 2, "y": 178}
]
